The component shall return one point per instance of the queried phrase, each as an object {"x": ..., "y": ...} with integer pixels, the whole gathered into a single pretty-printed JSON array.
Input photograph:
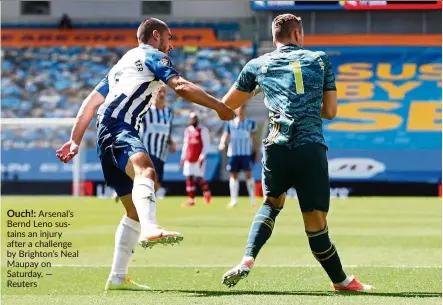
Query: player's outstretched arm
[
  {"x": 236, "y": 98},
  {"x": 244, "y": 88},
  {"x": 329, "y": 105},
  {"x": 83, "y": 119},
  {"x": 191, "y": 92}
]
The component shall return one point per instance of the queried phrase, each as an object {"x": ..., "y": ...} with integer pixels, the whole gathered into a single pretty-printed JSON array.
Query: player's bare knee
[
  {"x": 148, "y": 172},
  {"x": 248, "y": 175},
  {"x": 142, "y": 165},
  {"x": 234, "y": 175},
  {"x": 276, "y": 203}
]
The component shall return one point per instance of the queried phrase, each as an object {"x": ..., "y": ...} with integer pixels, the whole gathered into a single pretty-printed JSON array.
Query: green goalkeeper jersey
[{"x": 293, "y": 81}]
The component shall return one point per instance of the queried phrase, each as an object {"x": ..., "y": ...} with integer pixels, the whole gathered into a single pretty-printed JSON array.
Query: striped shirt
[
  {"x": 157, "y": 126},
  {"x": 130, "y": 84},
  {"x": 240, "y": 133}
]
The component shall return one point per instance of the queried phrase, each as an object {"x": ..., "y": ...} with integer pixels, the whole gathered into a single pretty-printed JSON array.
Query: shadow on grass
[{"x": 211, "y": 293}]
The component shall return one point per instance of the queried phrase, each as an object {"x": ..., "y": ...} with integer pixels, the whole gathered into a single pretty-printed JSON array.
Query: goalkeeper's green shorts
[{"x": 305, "y": 168}]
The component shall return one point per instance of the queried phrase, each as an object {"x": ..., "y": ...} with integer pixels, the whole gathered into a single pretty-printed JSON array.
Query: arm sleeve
[
  {"x": 103, "y": 87},
  {"x": 206, "y": 141},
  {"x": 184, "y": 147},
  {"x": 246, "y": 81},
  {"x": 160, "y": 64},
  {"x": 329, "y": 81}
]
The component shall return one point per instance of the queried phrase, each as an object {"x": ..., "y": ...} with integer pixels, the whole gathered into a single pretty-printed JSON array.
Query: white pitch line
[{"x": 260, "y": 266}]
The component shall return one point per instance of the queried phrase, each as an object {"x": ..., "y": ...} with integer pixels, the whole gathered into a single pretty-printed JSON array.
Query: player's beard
[{"x": 162, "y": 46}]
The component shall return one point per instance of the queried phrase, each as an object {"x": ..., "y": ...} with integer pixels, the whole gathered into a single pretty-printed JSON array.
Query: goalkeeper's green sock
[
  {"x": 325, "y": 252},
  {"x": 261, "y": 229}
]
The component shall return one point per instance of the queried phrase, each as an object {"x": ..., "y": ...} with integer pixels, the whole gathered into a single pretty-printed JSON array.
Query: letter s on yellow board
[
  {"x": 384, "y": 71},
  {"x": 354, "y": 71}
]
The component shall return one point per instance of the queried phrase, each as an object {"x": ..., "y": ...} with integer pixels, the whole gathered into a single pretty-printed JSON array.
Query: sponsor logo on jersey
[{"x": 165, "y": 61}]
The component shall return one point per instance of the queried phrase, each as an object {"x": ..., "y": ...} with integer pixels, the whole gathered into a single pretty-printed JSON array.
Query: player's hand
[
  {"x": 172, "y": 148},
  {"x": 221, "y": 147},
  {"x": 182, "y": 163},
  {"x": 224, "y": 112},
  {"x": 67, "y": 151}
]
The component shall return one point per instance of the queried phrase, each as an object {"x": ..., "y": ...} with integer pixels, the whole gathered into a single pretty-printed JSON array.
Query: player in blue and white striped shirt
[
  {"x": 122, "y": 99},
  {"x": 156, "y": 135},
  {"x": 243, "y": 150}
]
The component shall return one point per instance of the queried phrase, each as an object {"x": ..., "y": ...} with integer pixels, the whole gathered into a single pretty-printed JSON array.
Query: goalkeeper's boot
[
  {"x": 159, "y": 236},
  {"x": 354, "y": 285},
  {"x": 128, "y": 284},
  {"x": 241, "y": 271}
]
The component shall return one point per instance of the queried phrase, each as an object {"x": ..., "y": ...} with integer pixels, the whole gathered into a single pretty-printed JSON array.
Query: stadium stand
[
  {"x": 389, "y": 96},
  {"x": 52, "y": 82}
]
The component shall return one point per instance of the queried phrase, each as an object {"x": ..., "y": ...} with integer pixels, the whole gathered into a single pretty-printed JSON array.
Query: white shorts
[{"x": 193, "y": 169}]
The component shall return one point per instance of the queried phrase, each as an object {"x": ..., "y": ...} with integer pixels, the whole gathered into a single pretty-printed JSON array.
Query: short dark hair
[
  {"x": 283, "y": 25},
  {"x": 148, "y": 26}
]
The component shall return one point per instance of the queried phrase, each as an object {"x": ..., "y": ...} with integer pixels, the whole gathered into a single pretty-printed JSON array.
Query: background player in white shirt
[
  {"x": 193, "y": 159},
  {"x": 128, "y": 89},
  {"x": 243, "y": 151}
]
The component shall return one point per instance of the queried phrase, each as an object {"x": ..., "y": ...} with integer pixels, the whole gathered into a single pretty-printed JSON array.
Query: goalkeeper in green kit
[{"x": 299, "y": 88}]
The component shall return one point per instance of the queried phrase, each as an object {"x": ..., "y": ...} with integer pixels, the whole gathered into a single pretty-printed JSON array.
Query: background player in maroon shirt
[{"x": 193, "y": 159}]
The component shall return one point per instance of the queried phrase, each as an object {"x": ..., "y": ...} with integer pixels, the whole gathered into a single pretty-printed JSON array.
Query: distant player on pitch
[
  {"x": 243, "y": 152},
  {"x": 300, "y": 90},
  {"x": 157, "y": 128},
  {"x": 127, "y": 167},
  {"x": 193, "y": 159}
]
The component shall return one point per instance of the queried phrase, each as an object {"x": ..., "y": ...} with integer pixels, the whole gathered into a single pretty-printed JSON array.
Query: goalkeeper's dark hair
[
  {"x": 147, "y": 27},
  {"x": 284, "y": 25}
]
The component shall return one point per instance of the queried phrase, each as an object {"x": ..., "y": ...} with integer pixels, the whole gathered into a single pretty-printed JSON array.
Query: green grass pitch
[{"x": 391, "y": 243}]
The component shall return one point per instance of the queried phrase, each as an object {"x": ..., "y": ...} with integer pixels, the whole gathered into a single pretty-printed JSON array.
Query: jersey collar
[
  {"x": 145, "y": 46},
  {"x": 289, "y": 46}
]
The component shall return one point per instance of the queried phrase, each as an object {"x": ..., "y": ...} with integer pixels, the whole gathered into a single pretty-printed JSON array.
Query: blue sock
[{"x": 261, "y": 229}]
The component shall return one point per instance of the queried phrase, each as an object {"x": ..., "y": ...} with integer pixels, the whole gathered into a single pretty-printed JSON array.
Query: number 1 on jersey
[{"x": 299, "y": 87}]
